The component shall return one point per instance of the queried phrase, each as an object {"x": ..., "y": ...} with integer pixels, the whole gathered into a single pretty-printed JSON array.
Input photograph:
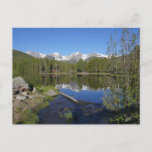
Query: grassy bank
[
  {"x": 26, "y": 111},
  {"x": 45, "y": 89},
  {"x": 30, "y": 116}
]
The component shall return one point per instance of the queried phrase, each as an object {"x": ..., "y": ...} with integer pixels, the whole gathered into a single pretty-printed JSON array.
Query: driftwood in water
[{"x": 69, "y": 97}]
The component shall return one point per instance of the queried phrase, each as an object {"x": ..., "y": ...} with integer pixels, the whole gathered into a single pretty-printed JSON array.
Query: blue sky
[{"x": 63, "y": 40}]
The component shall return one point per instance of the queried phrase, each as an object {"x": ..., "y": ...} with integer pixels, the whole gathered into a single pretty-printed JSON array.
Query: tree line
[{"x": 123, "y": 58}]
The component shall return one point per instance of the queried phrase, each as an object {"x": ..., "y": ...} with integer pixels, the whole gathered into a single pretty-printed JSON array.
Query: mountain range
[{"x": 74, "y": 57}]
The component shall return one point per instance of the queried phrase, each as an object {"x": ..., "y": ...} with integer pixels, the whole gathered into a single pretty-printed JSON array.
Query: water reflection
[
  {"x": 74, "y": 87},
  {"x": 119, "y": 86},
  {"x": 80, "y": 82},
  {"x": 100, "y": 95},
  {"x": 87, "y": 88},
  {"x": 85, "y": 93}
]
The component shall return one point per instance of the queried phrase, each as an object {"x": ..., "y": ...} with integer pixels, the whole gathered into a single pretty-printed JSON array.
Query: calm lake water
[
  {"x": 89, "y": 89},
  {"x": 84, "y": 94}
]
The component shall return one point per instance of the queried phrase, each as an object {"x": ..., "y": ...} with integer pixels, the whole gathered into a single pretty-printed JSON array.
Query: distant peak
[
  {"x": 28, "y": 51},
  {"x": 31, "y": 51},
  {"x": 76, "y": 53},
  {"x": 55, "y": 53},
  {"x": 74, "y": 57},
  {"x": 36, "y": 54}
]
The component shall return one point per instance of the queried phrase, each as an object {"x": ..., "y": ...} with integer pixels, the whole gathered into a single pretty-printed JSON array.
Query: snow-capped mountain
[
  {"x": 36, "y": 54},
  {"x": 57, "y": 56},
  {"x": 74, "y": 57}
]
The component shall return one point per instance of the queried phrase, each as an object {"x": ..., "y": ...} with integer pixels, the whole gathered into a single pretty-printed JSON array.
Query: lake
[
  {"x": 91, "y": 90},
  {"x": 85, "y": 94}
]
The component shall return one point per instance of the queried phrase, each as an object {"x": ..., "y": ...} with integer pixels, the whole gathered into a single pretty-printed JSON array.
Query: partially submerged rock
[{"x": 51, "y": 93}]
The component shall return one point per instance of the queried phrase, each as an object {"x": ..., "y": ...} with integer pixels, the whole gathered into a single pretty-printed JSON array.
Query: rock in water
[
  {"x": 51, "y": 93},
  {"x": 20, "y": 97},
  {"x": 20, "y": 82}
]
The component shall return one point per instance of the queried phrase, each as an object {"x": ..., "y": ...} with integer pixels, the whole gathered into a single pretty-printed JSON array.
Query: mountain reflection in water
[
  {"x": 90, "y": 89},
  {"x": 85, "y": 93}
]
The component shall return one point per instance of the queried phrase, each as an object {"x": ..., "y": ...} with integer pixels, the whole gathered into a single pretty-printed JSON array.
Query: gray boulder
[
  {"x": 20, "y": 82},
  {"x": 20, "y": 97},
  {"x": 51, "y": 93},
  {"x": 24, "y": 93}
]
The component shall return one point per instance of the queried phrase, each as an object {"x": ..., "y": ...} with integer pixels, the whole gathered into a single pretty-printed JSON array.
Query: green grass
[
  {"x": 30, "y": 116},
  {"x": 131, "y": 118},
  {"x": 42, "y": 105},
  {"x": 48, "y": 98},
  {"x": 45, "y": 89},
  {"x": 68, "y": 116},
  {"x": 19, "y": 110},
  {"x": 54, "y": 89}
]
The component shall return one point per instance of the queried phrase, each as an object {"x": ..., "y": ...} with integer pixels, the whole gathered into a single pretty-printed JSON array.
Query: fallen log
[{"x": 69, "y": 97}]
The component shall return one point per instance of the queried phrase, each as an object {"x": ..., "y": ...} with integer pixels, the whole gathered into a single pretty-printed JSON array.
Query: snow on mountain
[
  {"x": 42, "y": 55},
  {"x": 65, "y": 58},
  {"x": 57, "y": 56},
  {"x": 36, "y": 54},
  {"x": 76, "y": 54},
  {"x": 84, "y": 56},
  {"x": 101, "y": 55},
  {"x": 74, "y": 57}
]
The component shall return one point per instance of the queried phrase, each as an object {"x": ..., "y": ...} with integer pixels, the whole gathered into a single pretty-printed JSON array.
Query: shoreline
[
  {"x": 27, "y": 104},
  {"x": 84, "y": 73}
]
